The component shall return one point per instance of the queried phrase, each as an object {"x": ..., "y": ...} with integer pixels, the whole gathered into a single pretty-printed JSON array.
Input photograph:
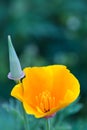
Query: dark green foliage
[{"x": 44, "y": 32}]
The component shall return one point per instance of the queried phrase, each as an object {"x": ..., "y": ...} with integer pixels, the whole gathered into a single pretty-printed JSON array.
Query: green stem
[
  {"x": 26, "y": 125},
  {"x": 48, "y": 124}
]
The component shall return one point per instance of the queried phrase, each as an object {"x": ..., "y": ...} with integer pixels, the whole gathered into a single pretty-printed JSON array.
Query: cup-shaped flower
[
  {"x": 16, "y": 72},
  {"x": 46, "y": 90}
]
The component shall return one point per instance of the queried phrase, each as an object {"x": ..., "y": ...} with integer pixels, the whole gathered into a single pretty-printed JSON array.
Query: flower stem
[
  {"x": 47, "y": 124},
  {"x": 26, "y": 125}
]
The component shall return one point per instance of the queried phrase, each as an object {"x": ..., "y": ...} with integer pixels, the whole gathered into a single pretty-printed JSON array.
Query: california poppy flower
[{"x": 46, "y": 90}]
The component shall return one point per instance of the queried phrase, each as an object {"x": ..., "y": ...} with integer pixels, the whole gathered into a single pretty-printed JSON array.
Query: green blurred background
[{"x": 44, "y": 32}]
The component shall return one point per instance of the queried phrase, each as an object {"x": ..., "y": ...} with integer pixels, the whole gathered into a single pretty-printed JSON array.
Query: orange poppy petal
[
  {"x": 69, "y": 98},
  {"x": 42, "y": 78},
  {"x": 62, "y": 81},
  {"x": 31, "y": 110},
  {"x": 37, "y": 80},
  {"x": 17, "y": 92}
]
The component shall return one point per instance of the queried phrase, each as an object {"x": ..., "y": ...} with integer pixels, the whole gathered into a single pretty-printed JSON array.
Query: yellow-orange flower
[{"x": 46, "y": 90}]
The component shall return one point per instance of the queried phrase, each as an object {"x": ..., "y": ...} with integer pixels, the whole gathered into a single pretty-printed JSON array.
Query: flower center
[{"x": 45, "y": 101}]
